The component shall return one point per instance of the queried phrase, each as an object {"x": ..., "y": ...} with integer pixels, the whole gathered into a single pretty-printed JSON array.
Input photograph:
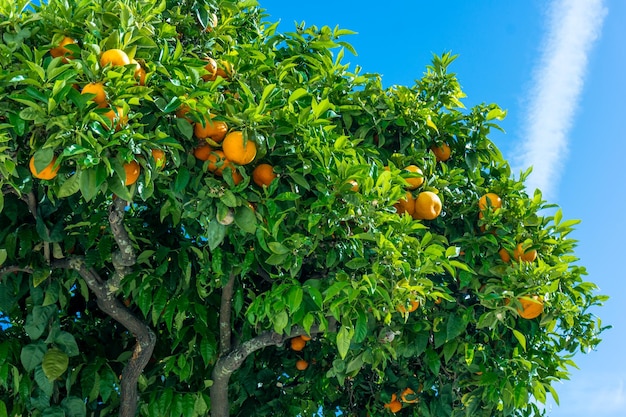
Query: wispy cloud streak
[{"x": 573, "y": 27}]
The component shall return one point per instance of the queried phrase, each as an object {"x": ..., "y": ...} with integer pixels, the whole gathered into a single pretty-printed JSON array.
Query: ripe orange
[
  {"x": 394, "y": 405},
  {"x": 203, "y": 152},
  {"x": 413, "y": 305},
  {"x": 520, "y": 255},
  {"x": 217, "y": 161},
  {"x": 159, "y": 158},
  {"x": 182, "y": 111},
  {"x": 118, "y": 119},
  {"x": 489, "y": 200},
  {"x": 406, "y": 204},
  {"x": 297, "y": 344},
  {"x": 414, "y": 182},
  {"x": 100, "y": 97},
  {"x": 211, "y": 67},
  {"x": 132, "y": 170},
  {"x": 140, "y": 73},
  {"x": 442, "y": 152},
  {"x": 213, "y": 130},
  {"x": 114, "y": 57},
  {"x": 263, "y": 175},
  {"x": 355, "y": 185},
  {"x": 301, "y": 365},
  {"x": 504, "y": 255},
  {"x": 531, "y": 307},
  {"x": 61, "y": 50},
  {"x": 427, "y": 206},
  {"x": 408, "y": 396},
  {"x": 48, "y": 173},
  {"x": 235, "y": 149}
]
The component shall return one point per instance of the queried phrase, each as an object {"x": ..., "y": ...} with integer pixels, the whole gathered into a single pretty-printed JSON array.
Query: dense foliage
[{"x": 149, "y": 275}]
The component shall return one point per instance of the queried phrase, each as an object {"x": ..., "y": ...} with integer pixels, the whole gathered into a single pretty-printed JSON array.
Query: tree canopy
[{"x": 204, "y": 216}]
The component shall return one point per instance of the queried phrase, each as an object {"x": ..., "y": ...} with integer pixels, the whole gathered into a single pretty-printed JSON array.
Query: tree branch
[
  {"x": 146, "y": 339},
  {"x": 124, "y": 258},
  {"x": 225, "y": 314},
  {"x": 10, "y": 269},
  {"x": 229, "y": 363}
]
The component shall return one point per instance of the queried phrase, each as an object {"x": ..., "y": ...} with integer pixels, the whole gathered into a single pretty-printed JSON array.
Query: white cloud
[{"x": 558, "y": 81}]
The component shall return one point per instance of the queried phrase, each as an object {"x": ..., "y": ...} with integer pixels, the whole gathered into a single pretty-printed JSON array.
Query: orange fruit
[
  {"x": 132, "y": 170},
  {"x": 301, "y": 365},
  {"x": 114, "y": 57},
  {"x": 355, "y": 185},
  {"x": 48, "y": 173},
  {"x": 414, "y": 182},
  {"x": 304, "y": 337},
  {"x": 140, "y": 73},
  {"x": 520, "y": 255},
  {"x": 159, "y": 157},
  {"x": 406, "y": 204},
  {"x": 297, "y": 344},
  {"x": 118, "y": 119},
  {"x": 504, "y": 255},
  {"x": 61, "y": 50},
  {"x": 212, "y": 130},
  {"x": 263, "y": 175},
  {"x": 235, "y": 149},
  {"x": 100, "y": 97},
  {"x": 182, "y": 111},
  {"x": 217, "y": 161},
  {"x": 394, "y": 405},
  {"x": 442, "y": 152},
  {"x": 408, "y": 396},
  {"x": 202, "y": 152},
  {"x": 211, "y": 68},
  {"x": 531, "y": 307},
  {"x": 413, "y": 305},
  {"x": 489, "y": 200},
  {"x": 427, "y": 206}
]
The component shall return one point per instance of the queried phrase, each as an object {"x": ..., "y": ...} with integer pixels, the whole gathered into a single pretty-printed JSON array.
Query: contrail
[{"x": 573, "y": 27}]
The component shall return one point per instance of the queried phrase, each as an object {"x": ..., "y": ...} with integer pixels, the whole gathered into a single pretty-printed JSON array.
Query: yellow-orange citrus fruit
[
  {"x": 408, "y": 396},
  {"x": 504, "y": 255},
  {"x": 442, "y": 152},
  {"x": 140, "y": 73},
  {"x": 520, "y": 255},
  {"x": 211, "y": 68},
  {"x": 182, "y": 112},
  {"x": 100, "y": 97},
  {"x": 263, "y": 175},
  {"x": 394, "y": 405},
  {"x": 114, "y": 57},
  {"x": 489, "y": 200},
  {"x": 531, "y": 307},
  {"x": 406, "y": 204},
  {"x": 235, "y": 149},
  {"x": 237, "y": 177},
  {"x": 414, "y": 182},
  {"x": 304, "y": 337},
  {"x": 413, "y": 305},
  {"x": 427, "y": 206},
  {"x": 118, "y": 119},
  {"x": 301, "y": 365},
  {"x": 48, "y": 173},
  {"x": 203, "y": 152},
  {"x": 297, "y": 344},
  {"x": 212, "y": 130},
  {"x": 61, "y": 50},
  {"x": 159, "y": 157},
  {"x": 132, "y": 170},
  {"x": 354, "y": 184}
]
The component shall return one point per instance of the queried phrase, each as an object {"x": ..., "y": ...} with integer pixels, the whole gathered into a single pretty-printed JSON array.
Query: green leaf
[
  {"x": 67, "y": 343},
  {"x": 215, "y": 234},
  {"x": 37, "y": 321},
  {"x": 278, "y": 248},
  {"x": 344, "y": 337},
  {"x": 360, "y": 330},
  {"x": 182, "y": 179},
  {"x": 88, "y": 184},
  {"x": 294, "y": 298},
  {"x": 70, "y": 186},
  {"x": 280, "y": 321},
  {"x": 3, "y": 255},
  {"x": 32, "y": 355},
  {"x": 456, "y": 325},
  {"x": 245, "y": 219},
  {"x": 300, "y": 92},
  {"x": 520, "y": 338},
  {"x": 74, "y": 407},
  {"x": 45, "y": 384},
  {"x": 53, "y": 412},
  {"x": 54, "y": 363}
]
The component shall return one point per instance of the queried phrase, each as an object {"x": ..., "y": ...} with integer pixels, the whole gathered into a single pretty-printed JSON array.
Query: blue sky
[{"x": 559, "y": 68}]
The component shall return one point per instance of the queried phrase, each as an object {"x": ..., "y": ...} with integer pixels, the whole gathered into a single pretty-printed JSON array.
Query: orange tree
[{"x": 144, "y": 272}]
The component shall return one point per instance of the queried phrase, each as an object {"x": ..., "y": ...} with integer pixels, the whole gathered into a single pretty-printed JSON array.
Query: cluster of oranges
[
  {"x": 407, "y": 396},
  {"x": 297, "y": 344},
  {"x": 427, "y": 205},
  {"x": 531, "y": 306}
]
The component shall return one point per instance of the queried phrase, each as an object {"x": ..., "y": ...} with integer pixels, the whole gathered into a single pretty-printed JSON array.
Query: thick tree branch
[
  {"x": 229, "y": 363},
  {"x": 145, "y": 337},
  {"x": 124, "y": 258},
  {"x": 225, "y": 314},
  {"x": 11, "y": 269}
]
